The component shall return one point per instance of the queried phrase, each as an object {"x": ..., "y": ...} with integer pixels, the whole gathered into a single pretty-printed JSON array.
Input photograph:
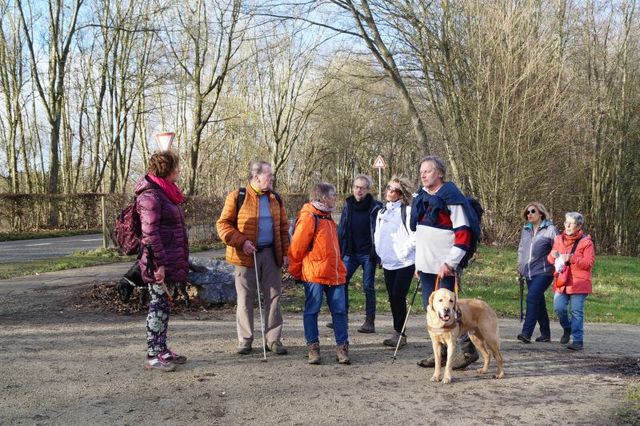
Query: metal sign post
[{"x": 379, "y": 164}]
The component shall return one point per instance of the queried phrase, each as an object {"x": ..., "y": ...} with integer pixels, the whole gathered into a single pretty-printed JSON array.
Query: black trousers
[{"x": 398, "y": 282}]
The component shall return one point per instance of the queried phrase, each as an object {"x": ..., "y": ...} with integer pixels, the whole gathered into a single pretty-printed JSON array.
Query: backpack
[
  {"x": 475, "y": 211},
  {"x": 128, "y": 229}
]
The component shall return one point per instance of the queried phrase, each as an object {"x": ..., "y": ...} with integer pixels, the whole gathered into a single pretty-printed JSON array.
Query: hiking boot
[
  {"x": 314, "y": 353},
  {"x": 157, "y": 363},
  {"x": 342, "y": 354},
  {"x": 565, "y": 336},
  {"x": 524, "y": 339},
  {"x": 244, "y": 348},
  {"x": 330, "y": 325},
  {"x": 575, "y": 346},
  {"x": 393, "y": 340},
  {"x": 462, "y": 360},
  {"x": 368, "y": 326},
  {"x": 543, "y": 339},
  {"x": 430, "y": 362},
  {"x": 277, "y": 348},
  {"x": 170, "y": 356}
]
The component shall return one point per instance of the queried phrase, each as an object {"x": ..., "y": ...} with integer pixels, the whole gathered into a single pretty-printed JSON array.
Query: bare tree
[
  {"x": 609, "y": 78},
  {"x": 289, "y": 89},
  {"x": 62, "y": 22},
  {"x": 203, "y": 46},
  {"x": 367, "y": 27},
  {"x": 11, "y": 82}
]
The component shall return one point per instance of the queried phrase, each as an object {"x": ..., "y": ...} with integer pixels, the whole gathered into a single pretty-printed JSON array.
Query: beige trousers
[{"x": 270, "y": 279}]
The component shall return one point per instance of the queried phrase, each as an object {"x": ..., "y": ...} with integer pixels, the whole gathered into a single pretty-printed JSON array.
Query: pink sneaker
[
  {"x": 171, "y": 356},
  {"x": 157, "y": 363}
]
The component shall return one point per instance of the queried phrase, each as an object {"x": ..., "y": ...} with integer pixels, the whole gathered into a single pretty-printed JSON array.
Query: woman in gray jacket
[{"x": 536, "y": 241}]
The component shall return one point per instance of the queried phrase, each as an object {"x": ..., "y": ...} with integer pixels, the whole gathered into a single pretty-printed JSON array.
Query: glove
[{"x": 559, "y": 264}]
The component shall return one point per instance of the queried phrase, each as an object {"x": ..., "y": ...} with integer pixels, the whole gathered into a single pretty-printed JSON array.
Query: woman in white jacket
[{"x": 395, "y": 246}]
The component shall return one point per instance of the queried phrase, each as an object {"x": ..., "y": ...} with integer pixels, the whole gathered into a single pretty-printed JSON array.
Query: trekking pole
[
  {"x": 406, "y": 319},
  {"x": 264, "y": 343},
  {"x": 521, "y": 280}
]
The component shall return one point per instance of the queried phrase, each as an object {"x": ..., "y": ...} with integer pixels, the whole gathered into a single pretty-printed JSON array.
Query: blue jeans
[
  {"x": 576, "y": 324},
  {"x": 337, "y": 306},
  {"x": 537, "y": 306},
  {"x": 428, "y": 284},
  {"x": 368, "y": 280}
]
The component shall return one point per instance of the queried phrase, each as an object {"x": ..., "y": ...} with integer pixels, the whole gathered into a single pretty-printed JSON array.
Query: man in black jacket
[{"x": 355, "y": 234}]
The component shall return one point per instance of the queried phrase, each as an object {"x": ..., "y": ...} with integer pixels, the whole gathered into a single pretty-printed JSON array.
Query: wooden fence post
[{"x": 105, "y": 237}]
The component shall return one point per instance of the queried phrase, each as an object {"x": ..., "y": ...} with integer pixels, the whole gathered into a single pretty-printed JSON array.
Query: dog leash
[{"x": 456, "y": 286}]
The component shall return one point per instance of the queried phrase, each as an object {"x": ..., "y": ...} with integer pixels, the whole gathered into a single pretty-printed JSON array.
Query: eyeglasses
[
  {"x": 393, "y": 189},
  {"x": 532, "y": 211}
]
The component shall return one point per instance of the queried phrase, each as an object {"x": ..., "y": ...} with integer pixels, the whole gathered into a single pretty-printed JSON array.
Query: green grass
[
  {"x": 493, "y": 278},
  {"x": 14, "y": 236},
  {"x": 628, "y": 411}
]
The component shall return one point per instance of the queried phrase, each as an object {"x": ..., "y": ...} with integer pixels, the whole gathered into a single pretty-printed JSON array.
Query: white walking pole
[{"x": 264, "y": 343}]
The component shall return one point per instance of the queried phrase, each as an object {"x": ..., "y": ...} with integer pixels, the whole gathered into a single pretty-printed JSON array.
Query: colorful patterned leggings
[{"x": 157, "y": 320}]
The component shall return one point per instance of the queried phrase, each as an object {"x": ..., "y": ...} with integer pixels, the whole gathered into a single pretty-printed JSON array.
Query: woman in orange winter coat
[
  {"x": 572, "y": 249},
  {"x": 314, "y": 259}
]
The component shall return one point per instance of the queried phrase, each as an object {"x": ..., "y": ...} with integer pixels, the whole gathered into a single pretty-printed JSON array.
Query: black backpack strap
[
  {"x": 275, "y": 194},
  {"x": 242, "y": 194},
  {"x": 403, "y": 215},
  {"x": 315, "y": 229},
  {"x": 575, "y": 245}
]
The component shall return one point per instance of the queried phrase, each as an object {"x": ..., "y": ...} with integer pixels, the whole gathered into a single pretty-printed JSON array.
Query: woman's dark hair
[{"x": 163, "y": 163}]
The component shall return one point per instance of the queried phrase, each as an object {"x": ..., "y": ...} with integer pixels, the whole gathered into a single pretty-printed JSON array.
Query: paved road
[{"x": 47, "y": 248}]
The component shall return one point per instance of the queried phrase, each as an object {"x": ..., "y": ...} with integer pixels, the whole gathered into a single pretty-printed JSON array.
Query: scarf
[
  {"x": 322, "y": 207},
  {"x": 170, "y": 189},
  {"x": 257, "y": 190},
  {"x": 363, "y": 205},
  {"x": 433, "y": 204},
  {"x": 570, "y": 239}
]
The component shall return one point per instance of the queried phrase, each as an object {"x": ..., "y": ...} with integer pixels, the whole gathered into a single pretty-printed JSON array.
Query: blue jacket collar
[{"x": 544, "y": 224}]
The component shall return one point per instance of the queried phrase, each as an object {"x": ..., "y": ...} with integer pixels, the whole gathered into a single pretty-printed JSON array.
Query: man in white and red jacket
[{"x": 441, "y": 219}]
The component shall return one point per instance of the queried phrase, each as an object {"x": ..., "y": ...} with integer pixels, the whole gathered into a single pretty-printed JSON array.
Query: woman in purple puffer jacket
[{"x": 165, "y": 251}]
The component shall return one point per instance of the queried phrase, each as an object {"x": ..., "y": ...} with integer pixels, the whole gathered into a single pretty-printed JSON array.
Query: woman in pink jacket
[
  {"x": 165, "y": 251},
  {"x": 572, "y": 249}
]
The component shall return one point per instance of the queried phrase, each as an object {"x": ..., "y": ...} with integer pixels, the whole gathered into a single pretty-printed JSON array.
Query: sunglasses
[
  {"x": 393, "y": 189},
  {"x": 532, "y": 211}
]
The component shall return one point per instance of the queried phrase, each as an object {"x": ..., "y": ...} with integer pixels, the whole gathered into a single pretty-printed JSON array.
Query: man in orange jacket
[{"x": 259, "y": 225}]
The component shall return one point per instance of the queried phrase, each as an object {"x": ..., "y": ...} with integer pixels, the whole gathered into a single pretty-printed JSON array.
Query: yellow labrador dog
[{"x": 449, "y": 317}]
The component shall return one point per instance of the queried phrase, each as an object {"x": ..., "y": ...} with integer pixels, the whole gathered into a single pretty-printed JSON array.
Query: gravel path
[{"x": 64, "y": 364}]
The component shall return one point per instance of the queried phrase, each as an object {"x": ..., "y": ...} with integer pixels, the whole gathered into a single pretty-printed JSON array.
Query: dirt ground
[{"x": 64, "y": 362}]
